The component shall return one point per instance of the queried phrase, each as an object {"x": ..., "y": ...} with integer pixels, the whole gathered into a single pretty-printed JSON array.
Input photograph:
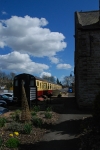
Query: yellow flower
[
  {"x": 16, "y": 133},
  {"x": 11, "y": 134}
]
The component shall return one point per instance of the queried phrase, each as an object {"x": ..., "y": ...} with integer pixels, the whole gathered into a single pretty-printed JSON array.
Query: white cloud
[
  {"x": 64, "y": 66},
  {"x": 4, "y": 13},
  {"x": 17, "y": 62},
  {"x": 45, "y": 74},
  {"x": 54, "y": 60},
  {"x": 28, "y": 35}
]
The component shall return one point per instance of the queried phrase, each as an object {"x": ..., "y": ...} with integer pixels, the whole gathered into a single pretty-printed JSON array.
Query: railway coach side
[{"x": 35, "y": 87}]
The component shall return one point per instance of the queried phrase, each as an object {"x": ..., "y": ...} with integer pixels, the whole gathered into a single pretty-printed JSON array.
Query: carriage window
[
  {"x": 44, "y": 86},
  {"x": 50, "y": 86},
  {"x": 40, "y": 85},
  {"x": 31, "y": 82},
  {"x": 37, "y": 83},
  {"x": 16, "y": 82}
]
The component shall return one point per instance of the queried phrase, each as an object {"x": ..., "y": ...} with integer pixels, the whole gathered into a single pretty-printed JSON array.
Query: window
[
  {"x": 37, "y": 83},
  {"x": 50, "y": 86},
  {"x": 40, "y": 85},
  {"x": 44, "y": 85}
]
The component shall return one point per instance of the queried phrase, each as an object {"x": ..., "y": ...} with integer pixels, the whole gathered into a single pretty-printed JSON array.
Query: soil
[{"x": 36, "y": 133}]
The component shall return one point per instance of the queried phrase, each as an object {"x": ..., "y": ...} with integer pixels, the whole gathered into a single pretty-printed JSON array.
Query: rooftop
[{"x": 87, "y": 18}]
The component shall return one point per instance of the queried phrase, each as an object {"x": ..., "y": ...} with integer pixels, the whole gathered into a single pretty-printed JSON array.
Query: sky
[{"x": 37, "y": 36}]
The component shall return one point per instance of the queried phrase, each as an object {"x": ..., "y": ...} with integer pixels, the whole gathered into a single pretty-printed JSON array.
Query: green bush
[
  {"x": 12, "y": 142},
  {"x": 33, "y": 113},
  {"x": 48, "y": 115},
  {"x": 96, "y": 108},
  {"x": 28, "y": 128},
  {"x": 36, "y": 108},
  {"x": 37, "y": 121},
  {"x": 2, "y": 122},
  {"x": 49, "y": 109}
]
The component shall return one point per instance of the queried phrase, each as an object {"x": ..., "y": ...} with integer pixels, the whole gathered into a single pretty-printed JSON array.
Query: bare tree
[
  {"x": 68, "y": 80},
  {"x": 49, "y": 78}
]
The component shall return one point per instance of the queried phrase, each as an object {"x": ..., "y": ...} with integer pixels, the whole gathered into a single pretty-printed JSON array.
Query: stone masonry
[{"x": 87, "y": 57}]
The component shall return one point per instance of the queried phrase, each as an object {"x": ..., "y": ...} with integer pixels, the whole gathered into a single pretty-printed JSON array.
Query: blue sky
[{"x": 36, "y": 36}]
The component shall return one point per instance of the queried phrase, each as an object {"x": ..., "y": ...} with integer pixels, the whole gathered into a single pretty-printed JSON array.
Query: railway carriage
[{"x": 35, "y": 87}]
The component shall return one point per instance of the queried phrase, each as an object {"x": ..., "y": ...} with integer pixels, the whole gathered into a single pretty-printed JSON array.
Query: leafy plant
[
  {"x": 36, "y": 108},
  {"x": 37, "y": 122},
  {"x": 28, "y": 128},
  {"x": 49, "y": 109},
  {"x": 2, "y": 122},
  {"x": 12, "y": 142},
  {"x": 48, "y": 115},
  {"x": 16, "y": 115},
  {"x": 33, "y": 113}
]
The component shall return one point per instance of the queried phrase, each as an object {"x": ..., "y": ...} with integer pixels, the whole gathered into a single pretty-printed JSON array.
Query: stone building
[{"x": 87, "y": 57}]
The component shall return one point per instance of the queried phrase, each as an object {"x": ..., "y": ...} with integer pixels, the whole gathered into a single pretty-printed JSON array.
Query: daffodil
[
  {"x": 11, "y": 134},
  {"x": 16, "y": 133}
]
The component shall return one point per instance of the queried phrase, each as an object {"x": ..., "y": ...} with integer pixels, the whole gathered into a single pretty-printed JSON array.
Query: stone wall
[{"x": 87, "y": 66}]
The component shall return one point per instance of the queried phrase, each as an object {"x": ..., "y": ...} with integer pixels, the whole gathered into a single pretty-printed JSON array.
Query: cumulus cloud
[
  {"x": 54, "y": 60},
  {"x": 18, "y": 62},
  {"x": 64, "y": 66},
  {"x": 45, "y": 74},
  {"x": 29, "y": 35}
]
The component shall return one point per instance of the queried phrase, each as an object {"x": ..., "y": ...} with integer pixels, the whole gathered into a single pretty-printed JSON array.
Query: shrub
[
  {"x": 15, "y": 126},
  {"x": 36, "y": 108},
  {"x": 28, "y": 128},
  {"x": 37, "y": 121},
  {"x": 2, "y": 122},
  {"x": 33, "y": 113},
  {"x": 48, "y": 115},
  {"x": 12, "y": 142},
  {"x": 49, "y": 109},
  {"x": 16, "y": 115}
]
